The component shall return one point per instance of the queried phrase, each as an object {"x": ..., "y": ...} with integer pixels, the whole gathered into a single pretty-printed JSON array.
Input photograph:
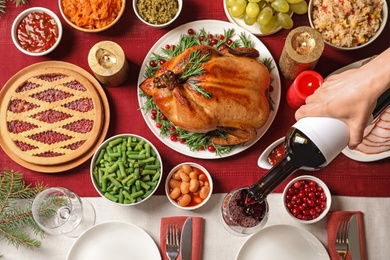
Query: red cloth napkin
[
  {"x": 197, "y": 235},
  {"x": 332, "y": 220}
]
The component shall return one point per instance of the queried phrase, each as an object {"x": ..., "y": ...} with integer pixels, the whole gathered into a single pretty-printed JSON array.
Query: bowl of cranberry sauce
[
  {"x": 272, "y": 154},
  {"x": 240, "y": 218},
  {"x": 36, "y": 31},
  {"x": 307, "y": 199}
]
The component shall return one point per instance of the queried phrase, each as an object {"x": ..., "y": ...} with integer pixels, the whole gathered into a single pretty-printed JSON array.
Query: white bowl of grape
[{"x": 262, "y": 17}]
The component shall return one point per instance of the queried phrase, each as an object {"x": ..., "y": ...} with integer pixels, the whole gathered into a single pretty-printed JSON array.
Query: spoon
[{"x": 262, "y": 162}]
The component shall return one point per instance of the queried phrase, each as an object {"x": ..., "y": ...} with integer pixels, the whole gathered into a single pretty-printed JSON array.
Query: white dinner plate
[
  {"x": 114, "y": 240},
  {"x": 282, "y": 242},
  {"x": 255, "y": 28},
  {"x": 213, "y": 27},
  {"x": 354, "y": 154}
]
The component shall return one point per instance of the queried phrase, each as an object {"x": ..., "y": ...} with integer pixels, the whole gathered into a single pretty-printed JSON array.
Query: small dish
[
  {"x": 157, "y": 25},
  {"x": 263, "y": 162},
  {"x": 254, "y": 29},
  {"x": 188, "y": 186},
  {"x": 34, "y": 41},
  {"x": 384, "y": 16},
  {"x": 318, "y": 199},
  {"x": 126, "y": 169},
  {"x": 84, "y": 8}
]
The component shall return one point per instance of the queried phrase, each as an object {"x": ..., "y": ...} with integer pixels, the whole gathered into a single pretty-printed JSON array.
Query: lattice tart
[{"x": 51, "y": 116}]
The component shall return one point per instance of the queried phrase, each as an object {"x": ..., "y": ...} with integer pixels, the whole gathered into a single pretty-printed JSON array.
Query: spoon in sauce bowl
[{"x": 272, "y": 154}]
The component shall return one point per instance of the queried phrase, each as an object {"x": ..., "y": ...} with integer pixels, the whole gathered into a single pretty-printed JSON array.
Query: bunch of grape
[{"x": 269, "y": 14}]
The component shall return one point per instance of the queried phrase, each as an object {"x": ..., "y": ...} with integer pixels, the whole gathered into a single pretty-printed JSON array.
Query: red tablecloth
[{"x": 344, "y": 176}]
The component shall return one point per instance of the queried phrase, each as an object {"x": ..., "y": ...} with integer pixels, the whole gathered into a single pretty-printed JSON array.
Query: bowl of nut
[
  {"x": 188, "y": 186},
  {"x": 126, "y": 169},
  {"x": 307, "y": 199},
  {"x": 157, "y": 13}
]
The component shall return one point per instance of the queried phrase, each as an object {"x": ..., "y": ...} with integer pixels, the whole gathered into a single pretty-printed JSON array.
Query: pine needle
[
  {"x": 16, "y": 220},
  {"x": 3, "y": 4}
]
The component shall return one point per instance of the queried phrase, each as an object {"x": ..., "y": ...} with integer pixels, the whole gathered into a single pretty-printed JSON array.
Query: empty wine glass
[
  {"x": 58, "y": 210},
  {"x": 240, "y": 218}
]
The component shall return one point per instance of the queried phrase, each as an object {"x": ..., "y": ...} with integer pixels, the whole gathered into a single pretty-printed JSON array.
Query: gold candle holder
[
  {"x": 108, "y": 63},
  {"x": 302, "y": 49}
]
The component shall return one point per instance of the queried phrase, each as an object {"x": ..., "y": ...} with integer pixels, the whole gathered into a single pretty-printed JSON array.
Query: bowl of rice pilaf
[
  {"x": 91, "y": 16},
  {"x": 348, "y": 25}
]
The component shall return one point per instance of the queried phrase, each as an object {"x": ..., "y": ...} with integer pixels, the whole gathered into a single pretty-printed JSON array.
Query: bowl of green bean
[{"x": 126, "y": 169}]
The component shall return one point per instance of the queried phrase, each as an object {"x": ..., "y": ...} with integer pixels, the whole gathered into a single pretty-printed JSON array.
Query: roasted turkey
[{"x": 233, "y": 98}]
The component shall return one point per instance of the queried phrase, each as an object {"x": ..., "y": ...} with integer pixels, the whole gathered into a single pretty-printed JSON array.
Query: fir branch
[
  {"x": 20, "y": 2},
  {"x": 16, "y": 221},
  {"x": 3, "y": 4}
]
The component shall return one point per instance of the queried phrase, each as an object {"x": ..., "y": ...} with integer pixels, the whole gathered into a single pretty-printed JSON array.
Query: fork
[
  {"x": 342, "y": 239},
  {"x": 172, "y": 241}
]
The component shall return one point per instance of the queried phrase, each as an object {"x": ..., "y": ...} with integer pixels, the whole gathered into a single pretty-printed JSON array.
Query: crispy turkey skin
[{"x": 238, "y": 86}]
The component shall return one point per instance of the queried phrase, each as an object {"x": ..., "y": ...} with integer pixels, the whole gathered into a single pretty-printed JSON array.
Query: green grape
[
  {"x": 299, "y": 8},
  {"x": 230, "y": 3},
  {"x": 284, "y": 20},
  {"x": 249, "y": 20},
  {"x": 252, "y": 10},
  {"x": 267, "y": 28},
  {"x": 265, "y": 16},
  {"x": 294, "y": 1},
  {"x": 280, "y": 6},
  {"x": 238, "y": 8}
]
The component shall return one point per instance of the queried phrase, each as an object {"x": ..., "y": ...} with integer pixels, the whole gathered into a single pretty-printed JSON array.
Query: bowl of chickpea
[{"x": 188, "y": 186}]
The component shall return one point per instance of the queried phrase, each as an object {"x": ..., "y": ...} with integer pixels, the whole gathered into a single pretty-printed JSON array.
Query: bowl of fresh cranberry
[{"x": 307, "y": 199}]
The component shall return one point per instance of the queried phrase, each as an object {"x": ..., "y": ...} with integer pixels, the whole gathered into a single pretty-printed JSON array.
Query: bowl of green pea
[{"x": 126, "y": 169}]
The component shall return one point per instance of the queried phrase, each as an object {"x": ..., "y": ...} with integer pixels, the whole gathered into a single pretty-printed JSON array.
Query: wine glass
[
  {"x": 240, "y": 218},
  {"x": 58, "y": 210}
]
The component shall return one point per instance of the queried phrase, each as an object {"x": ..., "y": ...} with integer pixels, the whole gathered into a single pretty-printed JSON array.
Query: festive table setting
[{"x": 357, "y": 185}]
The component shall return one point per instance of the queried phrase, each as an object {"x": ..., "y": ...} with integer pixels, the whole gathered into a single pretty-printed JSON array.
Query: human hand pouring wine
[{"x": 311, "y": 143}]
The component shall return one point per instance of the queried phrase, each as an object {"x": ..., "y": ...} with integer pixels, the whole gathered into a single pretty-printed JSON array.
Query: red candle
[{"x": 303, "y": 86}]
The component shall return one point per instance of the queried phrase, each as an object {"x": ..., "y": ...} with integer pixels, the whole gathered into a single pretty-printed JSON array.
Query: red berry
[
  {"x": 191, "y": 31},
  {"x": 162, "y": 61},
  {"x": 229, "y": 41},
  {"x": 174, "y": 137},
  {"x": 158, "y": 125},
  {"x": 153, "y": 63},
  {"x": 211, "y": 148},
  {"x": 221, "y": 37},
  {"x": 214, "y": 41},
  {"x": 167, "y": 46}
]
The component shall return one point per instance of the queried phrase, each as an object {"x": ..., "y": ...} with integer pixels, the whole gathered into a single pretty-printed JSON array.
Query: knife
[
  {"x": 354, "y": 238},
  {"x": 186, "y": 240}
]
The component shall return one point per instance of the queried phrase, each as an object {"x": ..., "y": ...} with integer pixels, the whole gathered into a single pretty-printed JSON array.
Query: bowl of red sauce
[
  {"x": 272, "y": 154},
  {"x": 36, "y": 31}
]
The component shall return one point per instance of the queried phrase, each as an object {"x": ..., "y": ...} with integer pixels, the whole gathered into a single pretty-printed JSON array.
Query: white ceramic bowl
[
  {"x": 21, "y": 16},
  {"x": 320, "y": 183},
  {"x": 66, "y": 18},
  {"x": 196, "y": 201},
  {"x": 380, "y": 30},
  {"x": 158, "y": 26},
  {"x": 263, "y": 162},
  {"x": 126, "y": 181}
]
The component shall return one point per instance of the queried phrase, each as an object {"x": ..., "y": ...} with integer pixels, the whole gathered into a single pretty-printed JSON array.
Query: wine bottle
[{"x": 310, "y": 144}]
